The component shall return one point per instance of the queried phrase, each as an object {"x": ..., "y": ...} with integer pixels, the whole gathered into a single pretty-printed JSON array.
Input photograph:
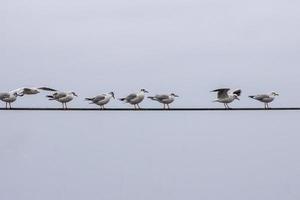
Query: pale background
[{"x": 187, "y": 47}]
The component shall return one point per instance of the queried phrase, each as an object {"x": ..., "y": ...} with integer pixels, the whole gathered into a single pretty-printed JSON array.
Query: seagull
[
  {"x": 226, "y": 97},
  {"x": 8, "y": 98},
  {"x": 62, "y": 97},
  {"x": 164, "y": 99},
  {"x": 265, "y": 98},
  {"x": 32, "y": 90},
  {"x": 101, "y": 100},
  {"x": 135, "y": 98}
]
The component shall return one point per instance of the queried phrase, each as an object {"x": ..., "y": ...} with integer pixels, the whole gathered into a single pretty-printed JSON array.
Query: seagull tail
[
  {"x": 50, "y": 97},
  {"x": 89, "y": 99},
  {"x": 122, "y": 99},
  {"x": 152, "y": 98},
  {"x": 252, "y": 97}
]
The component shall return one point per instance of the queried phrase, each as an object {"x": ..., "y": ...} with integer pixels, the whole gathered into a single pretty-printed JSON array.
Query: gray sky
[{"x": 187, "y": 47}]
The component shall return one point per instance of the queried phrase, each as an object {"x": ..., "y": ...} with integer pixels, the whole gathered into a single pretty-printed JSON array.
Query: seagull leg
[
  {"x": 227, "y": 106},
  {"x": 168, "y": 106},
  {"x": 265, "y": 106},
  {"x": 9, "y": 105},
  {"x": 164, "y": 106},
  {"x": 268, "y": 106},
  {"x": 6, "y": 105},
  {"x": 138, "y": 106},
  {"x": 66, "y": 106}
]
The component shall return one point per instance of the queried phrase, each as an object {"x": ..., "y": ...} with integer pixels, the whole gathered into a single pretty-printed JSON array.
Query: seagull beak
[{"x": 176, "y": 95}]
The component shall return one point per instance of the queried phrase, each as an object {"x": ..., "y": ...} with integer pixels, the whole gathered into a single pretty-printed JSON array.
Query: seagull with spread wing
[
  {"x": 225, "y": 96},
  {"x": 164, "y": 99},
  {"x": 101, "y": 100},
  {"x": 135, "y": 98},
  {"x": 32, "y": 90},
  {"x": 265, "y": 98}
]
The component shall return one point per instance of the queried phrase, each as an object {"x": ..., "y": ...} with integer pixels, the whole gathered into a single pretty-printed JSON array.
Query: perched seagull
[
  {"x": 135, "y": 98},
  {"x": 62, "y": 97},
  {"x": 226, "y": 97},
  {"x": 32, "y": 90},
  {"x": 8, "y": 98},
  {"x": 164, "y": 99},
  {"x": 101, "y": 100},
  {"x": 265, "y": 98}
]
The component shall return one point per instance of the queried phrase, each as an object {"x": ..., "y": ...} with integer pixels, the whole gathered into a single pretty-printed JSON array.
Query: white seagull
[
  {"x": 32, "y": 90},
  {"x": 226, "y": 97},
  {"x": 164, "y": 99},
  {"x": 62, "y": 97},
  {"x": 8, "y": 98},
  {"x": 101, "y": 100},
  {"x": 265, "y": 98},
  {"x": 135, "y": 98}
]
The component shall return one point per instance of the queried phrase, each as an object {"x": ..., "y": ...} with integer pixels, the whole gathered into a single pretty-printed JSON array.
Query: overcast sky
[{"x": 188, "y": 47}]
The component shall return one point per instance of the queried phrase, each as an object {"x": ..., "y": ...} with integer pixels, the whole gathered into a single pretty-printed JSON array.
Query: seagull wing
[
  {"x": 130, "y": 97},
  {"x": 58, "y": 95},
  {"x": 47, "y": 89},
  {"x": 261, "y": 97},
  {"x": 237, "y": 92},
  {"x": 26, "y": 90},
  {"x": 99, "y": 98},
  {"x": 222, "y": 92},
  {"x": 4, "y": 95},
  {"x": 161, "y": 97}
]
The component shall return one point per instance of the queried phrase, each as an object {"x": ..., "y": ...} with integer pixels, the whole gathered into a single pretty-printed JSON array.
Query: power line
[{"x": 152, "y": 109}]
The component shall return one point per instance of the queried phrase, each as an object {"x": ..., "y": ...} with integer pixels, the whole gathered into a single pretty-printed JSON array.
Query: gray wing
[
  {"x": 4, "y": 95},
  {"x": 99, "y": 98},
  {"x": 237, "y": 92},
  {"x": 58, "y": 95},
  {"x": 161, "y": 97},
  {"x": 47, "y": 89},
  {"x": 222, "y": 92},
  {"x": 26, "y": 90},
  {"x": 261, "y": 96},
  {"x": 131, "y": 96}
]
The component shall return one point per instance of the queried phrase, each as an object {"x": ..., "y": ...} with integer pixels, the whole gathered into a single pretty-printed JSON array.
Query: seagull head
[
  {"x": 274, "y": 94},
  {"x": 145, "y": 91},
  {"x": 174, "y": 95},
  {"x": 18, "y": 95},
  {"x": 74, "y": 94},
  {"x": 112, "y": 94},
  {"x": 236, "y": 96}
]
